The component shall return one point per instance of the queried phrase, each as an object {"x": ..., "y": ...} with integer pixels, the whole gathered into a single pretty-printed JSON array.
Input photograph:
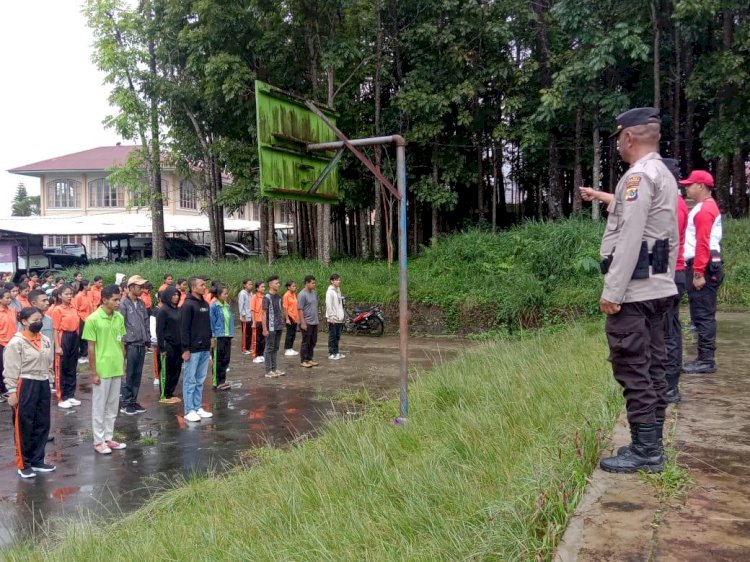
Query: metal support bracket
[{"x": 328, "y": 169}]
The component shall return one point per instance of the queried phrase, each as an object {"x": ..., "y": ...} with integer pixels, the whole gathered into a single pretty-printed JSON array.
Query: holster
[
  {"x": 660, "y": 256},
  {"x": 641, "y": 266}
]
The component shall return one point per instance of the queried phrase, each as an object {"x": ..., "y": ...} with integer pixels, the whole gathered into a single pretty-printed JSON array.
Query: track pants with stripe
[
  {"x": 31, "y": 418},
  {"x": 222, "y": 356},
  {"x": 68, "y": 364}
]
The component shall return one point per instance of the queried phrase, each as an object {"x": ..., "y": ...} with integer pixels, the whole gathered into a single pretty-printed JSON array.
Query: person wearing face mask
[{"x": 27, "y": 372}]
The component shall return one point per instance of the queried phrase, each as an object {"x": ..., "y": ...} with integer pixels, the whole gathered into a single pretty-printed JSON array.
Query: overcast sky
[{"x": 52, "y": 100}]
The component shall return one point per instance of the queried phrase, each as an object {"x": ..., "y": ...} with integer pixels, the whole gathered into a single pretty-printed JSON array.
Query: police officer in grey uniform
[{"x": 639, "y": 252}]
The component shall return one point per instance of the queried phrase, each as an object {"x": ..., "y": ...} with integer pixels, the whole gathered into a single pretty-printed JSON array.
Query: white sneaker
[
  {"x": 340, "y": 356},
  {"x": 82, "y": 360},
  {"x": 333, "y": 357},
  {"x": 64, "y": 404},
  {"x": 156, "y": 382},
  {"x": 74, "y": 401},
  {"x": 259, "y": 359},
  {"x": 193, "y": 416},
  {"x": 247, "y": 353},
  {"x": 204, "y": 414},
  {"x": 289, "y": 352}
]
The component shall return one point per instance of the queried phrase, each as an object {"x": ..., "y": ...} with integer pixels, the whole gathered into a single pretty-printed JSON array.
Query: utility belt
[{"x": 657, "y": 259}]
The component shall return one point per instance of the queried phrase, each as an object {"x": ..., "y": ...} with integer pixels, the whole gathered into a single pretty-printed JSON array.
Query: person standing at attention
[
  {"x": 66, "y": 323},
  {"x": 639, "y": 253},
  {"x": 84, "y": 306},
  {"x": 335, "y": 316},
  {"x": 27, "y": 372},
  {"x": 96, "y": 291},
  {"x": 246, "y": 317},
  {"x": 256, "y": 309},
  {"x": 8, "y": 320},
  {"x": 704, "y": 268},
  {"x": 104, "y": 331},
  {"x": 291, "y": 317},
  {"x": 273, "y": 325},
  {"x": 197, "y": 344},
  {"x": 137, "y": 337},
  {"x": 307, "y": 305},
  {"x": 168, "y": 343},
  {"x": 222, "y": 329}
]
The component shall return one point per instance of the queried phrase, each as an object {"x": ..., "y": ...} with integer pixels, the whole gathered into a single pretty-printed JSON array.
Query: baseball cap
[
  {"x": 136, "y": 280},
  {"x": 636, "y": 116},
  {"x": 699, "y": 176}
]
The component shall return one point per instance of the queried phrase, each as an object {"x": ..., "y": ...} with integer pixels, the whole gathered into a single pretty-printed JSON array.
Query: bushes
[{"x": 533, "y": 274}]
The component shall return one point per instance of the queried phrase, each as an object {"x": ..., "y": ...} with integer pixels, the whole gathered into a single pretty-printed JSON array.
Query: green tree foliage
[{"x": 23, "y": 204}]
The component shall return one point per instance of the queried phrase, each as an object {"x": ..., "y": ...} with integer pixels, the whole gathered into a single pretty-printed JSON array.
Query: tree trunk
[
  {"x": 364, "y": 237},
  {"x": 655, "y": 11},
  {"x": 158, "y": 242},
  {"x": 739, "y": 184},
  {"x": 597, "y": 171},
  {"x": 377, "y": 227},
  {"x": 577, "y": 164},
  {"x": 676, "y": 93},
  {"x": 480, "y": 178},
  {"x": 271, "y": 234}
]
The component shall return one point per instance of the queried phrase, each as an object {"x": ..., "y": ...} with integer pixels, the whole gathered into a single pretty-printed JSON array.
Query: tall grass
[
  {"x": 489, "y": 467},
  {"x": 535, "y": 274}
]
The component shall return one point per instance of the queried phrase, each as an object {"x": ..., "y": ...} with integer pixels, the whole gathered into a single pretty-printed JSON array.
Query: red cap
[{"x": 699, "y": 176}]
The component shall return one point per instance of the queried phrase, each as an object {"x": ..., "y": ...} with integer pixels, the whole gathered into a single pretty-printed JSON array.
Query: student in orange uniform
[
  {"x": 66, "y": 323},
  {"x": 168, "y": 279},
  {"x": 33, "y": 281},
  {"x": 291, "y": 316},
  {"x": 146, "y": 297},
  {"x": 256, "y": 308},
  {"x": 182, "y": 285},
  {"x": 84, "y": 305},
  {"x": 23, "y": 294},
  {"x": 208, "y": 296},
  {"x": 7, "y": 331},
  {"x": 96, "y": 291}
]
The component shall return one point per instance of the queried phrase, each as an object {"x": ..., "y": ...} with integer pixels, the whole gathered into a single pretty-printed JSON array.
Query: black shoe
[
  {"x": 673, "y": 395},
  {"x": 644, "y": 454},
  {"x": 26, "y": 473},
  {"x": 699, "y": 367},
  {"x": 128, "y": 410},
  {"x": 634, "y": 436},
  {"x": 138, "y": 408},
  {"x": 43, "y": 467}
]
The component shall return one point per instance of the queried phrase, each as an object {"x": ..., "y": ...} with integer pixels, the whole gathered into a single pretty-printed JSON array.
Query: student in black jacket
[
  {"x": 197, "y": 343},
  {"x": 168, "y": 342}
]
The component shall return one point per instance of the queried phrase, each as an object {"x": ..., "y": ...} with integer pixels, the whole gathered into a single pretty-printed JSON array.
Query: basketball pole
[{"x": 400, "y": 194}]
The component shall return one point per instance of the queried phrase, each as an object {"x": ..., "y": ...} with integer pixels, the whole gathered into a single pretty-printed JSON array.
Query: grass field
[
  {"x": 489, "y": 467},
  {"x": 532, "y": 275}
]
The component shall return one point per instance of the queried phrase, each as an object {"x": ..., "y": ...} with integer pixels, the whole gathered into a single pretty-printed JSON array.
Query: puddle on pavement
[{"x": 163, "y": 447}]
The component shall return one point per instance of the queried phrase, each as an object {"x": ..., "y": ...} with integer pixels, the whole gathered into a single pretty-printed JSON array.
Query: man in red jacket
[{"x": 704, "y": 269}]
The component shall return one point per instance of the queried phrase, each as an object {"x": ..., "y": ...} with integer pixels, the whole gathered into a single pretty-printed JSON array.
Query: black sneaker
[
  {"x": 26, "y": 473},
  {"x": 128, "y": 410},
  {"x": 138, "y": 408},
  {"x": 44, "y": 467}
]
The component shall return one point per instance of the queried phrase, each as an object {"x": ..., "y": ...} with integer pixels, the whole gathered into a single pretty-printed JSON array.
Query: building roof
[
  {"x": 119, "y": 223},
  {"x": 94, "y": 159}
]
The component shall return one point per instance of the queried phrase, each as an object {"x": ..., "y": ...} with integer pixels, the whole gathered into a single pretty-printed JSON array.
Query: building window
[
  {"x": 188, "y": 195},
  {"x": 164, "y": 193},
  {"x": 102, "y": 194},
  {"x": 58, "y": 241},
  {"x": 62, "y": 194}
]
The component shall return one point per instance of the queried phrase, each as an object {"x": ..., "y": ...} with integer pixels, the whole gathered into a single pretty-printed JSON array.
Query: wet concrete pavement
[
  {"x": 623, "y": 518},
  {"x": 163, "y": 447}
]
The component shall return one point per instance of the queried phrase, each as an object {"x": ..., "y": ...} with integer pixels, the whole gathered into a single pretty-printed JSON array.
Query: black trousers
[
  {"x": 291, "y": 333},
  {"x": 247, "y": 336},
  {"x": 172, "y": 367},
  {"x": 703, "y": 308},
  {"x": 135, "y": 355},
  {"x": 309, "y": 341},
  {"x": 3, "y": 388},
  {"x": 260, "y": 340},
  {"x": 673, "y": 333},
  {"x": 69, "y": 343},
  {"x": 222, "y": 356},
  {"x": 637, "y": 352},
  {"x": 334, "y": 335},
  {"x": 83, "y": 345},
  {"x": 31, "y": 420}
]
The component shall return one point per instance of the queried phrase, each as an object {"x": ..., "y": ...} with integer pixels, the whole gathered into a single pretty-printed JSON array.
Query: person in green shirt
[
  {"x": 222, "y": 329},
  {"x": 104, "y": 331}
]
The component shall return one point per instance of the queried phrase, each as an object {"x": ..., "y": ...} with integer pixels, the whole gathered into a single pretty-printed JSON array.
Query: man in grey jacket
[{"x": 137, "y": 337}]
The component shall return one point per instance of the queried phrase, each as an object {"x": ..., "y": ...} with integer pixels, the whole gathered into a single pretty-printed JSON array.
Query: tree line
[{"x": 506, "y": 106}]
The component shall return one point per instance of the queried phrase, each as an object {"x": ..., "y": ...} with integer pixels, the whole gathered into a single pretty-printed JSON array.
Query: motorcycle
[{"x": 369, "y": 321}]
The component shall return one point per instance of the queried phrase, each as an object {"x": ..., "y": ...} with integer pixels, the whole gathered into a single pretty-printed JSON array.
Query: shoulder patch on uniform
[
  {"x": 633, "y": 181},
  {"x": 631, "y": 193}
]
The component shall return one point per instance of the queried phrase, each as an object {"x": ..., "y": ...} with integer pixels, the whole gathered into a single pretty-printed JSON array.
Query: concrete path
[{"x": 622, "y": 518}]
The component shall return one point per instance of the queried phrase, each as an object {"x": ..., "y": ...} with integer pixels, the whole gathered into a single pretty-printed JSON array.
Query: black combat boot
[
  {"x": 699, "y": 367},
  {"x": 644, "y": 454},
  {"x": 634, "y": 436},
  {"x": 673, "y": 395}
]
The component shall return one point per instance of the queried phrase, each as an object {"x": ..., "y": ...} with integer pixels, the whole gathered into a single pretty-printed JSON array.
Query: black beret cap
[{"x": 636, "y": 116}]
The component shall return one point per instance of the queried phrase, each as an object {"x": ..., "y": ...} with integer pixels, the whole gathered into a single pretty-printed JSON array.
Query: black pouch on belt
[
  {"x": 641, "y": 267},
  {"x": 660, "y": 256}
]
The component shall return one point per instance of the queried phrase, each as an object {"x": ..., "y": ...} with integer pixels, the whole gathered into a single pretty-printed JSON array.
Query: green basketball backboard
[{"x": 285, "y": 127}]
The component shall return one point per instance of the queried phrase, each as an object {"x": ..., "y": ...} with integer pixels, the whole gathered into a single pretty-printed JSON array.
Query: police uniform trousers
[
  {"x": 637, "y": 353},
  {"x": 703, "y": 307},
  {"x": 673, "y": 333}
]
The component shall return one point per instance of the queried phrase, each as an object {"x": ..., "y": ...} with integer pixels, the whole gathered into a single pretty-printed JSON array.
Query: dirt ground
[
  {"x": 163, "y": 447},
  {"x": 623, "y": 518}
]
